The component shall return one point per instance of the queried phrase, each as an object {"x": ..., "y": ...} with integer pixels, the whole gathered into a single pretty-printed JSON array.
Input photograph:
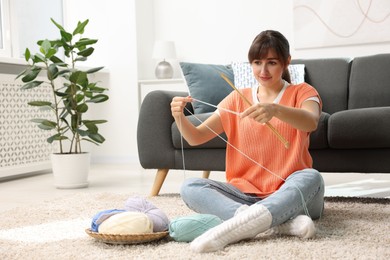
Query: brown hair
[{"x": 266, "y": 41}]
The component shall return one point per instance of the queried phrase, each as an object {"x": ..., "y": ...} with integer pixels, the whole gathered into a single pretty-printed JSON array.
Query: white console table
[{"x": 146, "y": 86}]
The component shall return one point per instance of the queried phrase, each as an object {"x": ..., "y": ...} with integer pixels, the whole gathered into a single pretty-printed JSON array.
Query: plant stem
[{"x": 55, "y": 108}]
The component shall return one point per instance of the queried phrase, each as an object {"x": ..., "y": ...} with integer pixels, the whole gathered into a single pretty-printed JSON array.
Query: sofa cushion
[
  {"x": 330, "y": 78},
  {"x": 176, "y": 136},
  {"x": 243, "y": 74},
  {"x": 369, "y": 84},
  {"x": 206, "y": 84},
  {"x": 360, "y": 128}
]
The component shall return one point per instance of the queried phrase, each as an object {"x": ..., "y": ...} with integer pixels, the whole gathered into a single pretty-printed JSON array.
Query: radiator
[{"x": 23, "y": 146}]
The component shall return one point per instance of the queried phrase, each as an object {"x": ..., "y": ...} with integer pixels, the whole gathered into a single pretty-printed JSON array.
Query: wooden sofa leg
[
  {"x": 206, "y": 174},
  {"x": 158, "y": 181}
]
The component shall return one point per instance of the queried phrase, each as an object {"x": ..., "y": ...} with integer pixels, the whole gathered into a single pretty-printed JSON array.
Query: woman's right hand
[{"x": 178, "y": 104}]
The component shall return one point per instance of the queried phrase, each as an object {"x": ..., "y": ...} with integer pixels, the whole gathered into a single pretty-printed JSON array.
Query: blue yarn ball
[
  {"x": 101, "y": 216},
  {"x": 156, "y": 215},
  {"x": 187, "y": 228}
]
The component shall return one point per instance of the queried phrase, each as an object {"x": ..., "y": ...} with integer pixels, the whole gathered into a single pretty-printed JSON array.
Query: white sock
[
  {"x": 247, "y": 224},
  {"x": 241, "y": 209},
  {"x": 302, "y": 226}
]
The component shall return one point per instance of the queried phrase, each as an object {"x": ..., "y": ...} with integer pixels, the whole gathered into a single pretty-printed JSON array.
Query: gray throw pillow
[{"x": 205, "y": 83}]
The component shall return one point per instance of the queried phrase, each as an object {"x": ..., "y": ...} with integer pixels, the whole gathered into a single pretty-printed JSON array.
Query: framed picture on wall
[{"x": 336, "y": 23}]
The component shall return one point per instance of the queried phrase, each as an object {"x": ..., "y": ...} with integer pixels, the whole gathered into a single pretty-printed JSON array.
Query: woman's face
[{"x": 268, "y": 71}]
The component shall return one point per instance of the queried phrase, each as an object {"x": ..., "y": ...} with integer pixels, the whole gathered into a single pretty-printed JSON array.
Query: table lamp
[{"x": 164, "y": 50}]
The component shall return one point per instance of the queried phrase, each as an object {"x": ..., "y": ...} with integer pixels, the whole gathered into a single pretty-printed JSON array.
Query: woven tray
[{"x": 127, "y": 239}]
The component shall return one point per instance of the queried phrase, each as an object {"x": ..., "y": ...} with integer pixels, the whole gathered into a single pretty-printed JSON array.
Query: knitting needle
[{"x": 280, "y": 137}]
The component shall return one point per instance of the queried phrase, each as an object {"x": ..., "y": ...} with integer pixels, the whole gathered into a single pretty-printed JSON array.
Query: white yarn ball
[{"x": 126, "y": 223}]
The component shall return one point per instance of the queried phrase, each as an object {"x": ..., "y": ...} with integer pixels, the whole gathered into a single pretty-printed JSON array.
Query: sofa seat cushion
[
  {"x": 176, "y": 136},
  {"x": 360, "y": 128},
  {"x": 319, "y": 138}
]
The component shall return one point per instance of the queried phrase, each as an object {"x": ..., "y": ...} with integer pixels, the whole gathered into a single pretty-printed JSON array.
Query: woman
[{"x": 268, "y": 186}]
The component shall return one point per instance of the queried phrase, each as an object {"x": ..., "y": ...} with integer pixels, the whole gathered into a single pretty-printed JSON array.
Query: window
[
  {"x": 24, "y": 22},
  {"x": 5, "y": 35}
]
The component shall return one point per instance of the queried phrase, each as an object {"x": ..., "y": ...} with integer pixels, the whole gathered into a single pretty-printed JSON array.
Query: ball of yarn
[
  {"x": 101, "y": 216},
  {"x": 126, "y": 223},
  {"x": 186, "y": 229},
  {"x": 156, "y": 215}
]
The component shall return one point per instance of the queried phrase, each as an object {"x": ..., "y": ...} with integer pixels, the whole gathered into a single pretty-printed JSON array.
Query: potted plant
[{"x": 72, "y": 94}]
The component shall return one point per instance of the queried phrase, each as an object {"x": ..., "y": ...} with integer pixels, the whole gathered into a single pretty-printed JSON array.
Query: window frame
[{"x": 6, "y": 51}]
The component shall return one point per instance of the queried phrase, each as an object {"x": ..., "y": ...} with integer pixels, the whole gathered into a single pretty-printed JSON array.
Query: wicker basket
[{"x": 127, "y": 239}]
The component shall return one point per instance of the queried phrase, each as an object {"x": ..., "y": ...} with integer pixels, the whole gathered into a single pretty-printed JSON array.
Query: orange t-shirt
[{"x": 261, "y": 163}]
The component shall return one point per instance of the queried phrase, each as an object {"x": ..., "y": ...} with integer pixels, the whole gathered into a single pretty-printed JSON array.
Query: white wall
[
  {"x": 220, "y": 31},
  {"x": 113, "y": 24}
]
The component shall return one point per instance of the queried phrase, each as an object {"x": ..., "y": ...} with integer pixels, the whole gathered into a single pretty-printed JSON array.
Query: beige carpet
[{"x": 350, "y": 229}]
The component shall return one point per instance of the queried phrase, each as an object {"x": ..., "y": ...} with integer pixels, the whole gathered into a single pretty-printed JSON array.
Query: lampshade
[{"x": 164, "y": 50}]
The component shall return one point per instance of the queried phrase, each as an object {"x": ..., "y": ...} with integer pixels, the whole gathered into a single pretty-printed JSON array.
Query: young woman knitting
[{"x": 268, "y": 187}]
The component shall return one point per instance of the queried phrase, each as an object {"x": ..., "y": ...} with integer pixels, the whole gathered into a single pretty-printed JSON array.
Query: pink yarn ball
[{"x": 156, "y": 215}]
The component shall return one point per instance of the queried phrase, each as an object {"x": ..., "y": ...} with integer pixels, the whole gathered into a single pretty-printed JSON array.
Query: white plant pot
[{"x": 70, "y": 170}]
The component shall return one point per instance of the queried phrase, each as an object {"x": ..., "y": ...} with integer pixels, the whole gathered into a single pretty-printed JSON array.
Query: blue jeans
[{"x": 301, "y": 193}]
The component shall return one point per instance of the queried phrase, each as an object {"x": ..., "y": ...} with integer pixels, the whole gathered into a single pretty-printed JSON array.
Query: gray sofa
[{"x": 353, "y": 134}]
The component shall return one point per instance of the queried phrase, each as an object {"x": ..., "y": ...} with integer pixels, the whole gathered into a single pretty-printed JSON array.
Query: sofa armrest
[{"x": 154, "y": 137}]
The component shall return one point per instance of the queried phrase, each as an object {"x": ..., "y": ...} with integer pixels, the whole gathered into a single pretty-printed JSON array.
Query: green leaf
[
  {"x": 45, "y": 47},
  {"x": 38, "y": 58},
  {"x": 80, "y": 27},
  {"x": 92, "y": 128},
  {"x": 32, "y": 84},
  {"x": 98, "y": 98},
  {"x": 82, "y": 108},
  {"x": 57, "y": 24},
  {"x": 60, "y": 94},
  {"x": 32, "y": 74},
  {"x": 27, "y": 54},
  {"x": 67, "y": 52},
  {"x": 43, "y": 127},
  {"x": 81, "y": 59},
  {"x": 50, "y": 53},
  {"x": 87, "y": 52},
  {"x": 67, "y": 37},
  {"x": 79, "y": 98},
  {"x": 38, "y": 120},
  {"x": 56, "y": 137},
  {"x": 45, "y": 124},
  {"x": 58, "y": 61},
  {"x": 95, "y": 89},
  {"x": 95, "y": 122},
  {"x": 39, "y": 103},
  {"x": 61, "y": 72},
  {"x": 93, "y": 70},
  {"x": 46, "y": 127},
  {"x": 57, "y": 43},
  {"x": 52, "y": 72},
  {"x": 84, "y": 42},
  {"x": 82, "y": 132},
  {"x": 97, "y": 138},
  {"x": 78, "y": 77}
]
